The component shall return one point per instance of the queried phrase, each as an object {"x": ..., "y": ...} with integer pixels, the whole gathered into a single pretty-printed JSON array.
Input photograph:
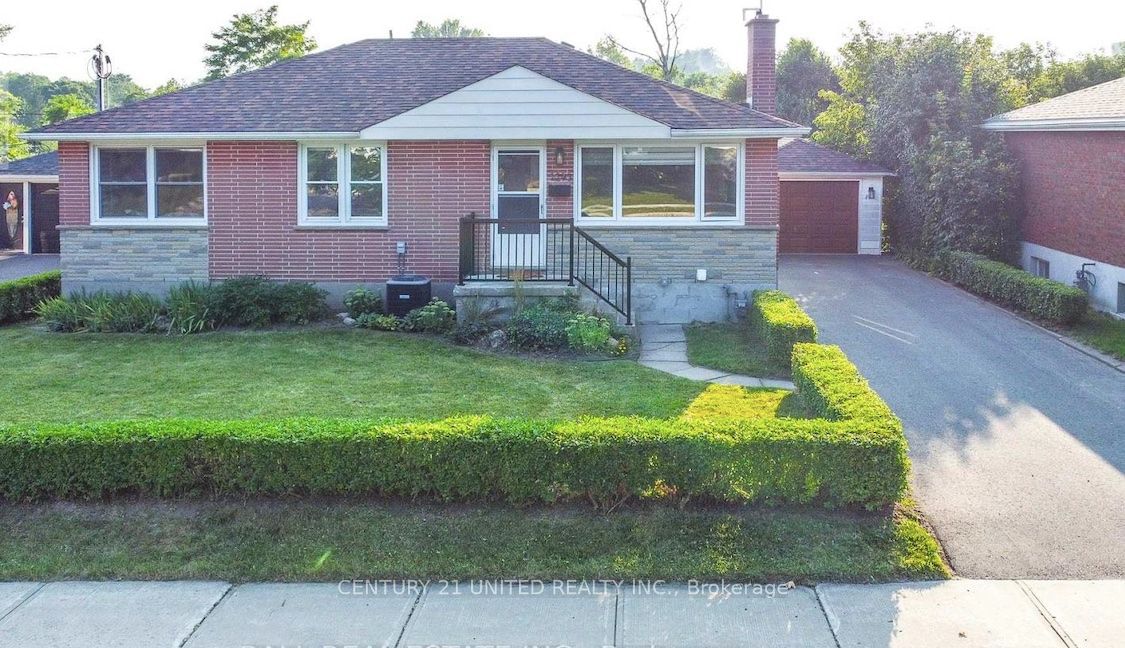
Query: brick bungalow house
[
  {"x": 1071, "y": 151},
  {"x": 347, "y": 166}
]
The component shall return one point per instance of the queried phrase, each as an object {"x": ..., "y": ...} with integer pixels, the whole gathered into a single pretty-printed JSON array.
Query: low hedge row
[
  {"x": 18, "y": 298},
  {"x": 780, "y": 323},
  {"x": 846, "y": 461},
  {"x": 1046, "y": 299}
]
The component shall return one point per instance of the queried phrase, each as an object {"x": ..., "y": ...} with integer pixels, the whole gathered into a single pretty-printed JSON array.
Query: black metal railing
[{"x": 543, "y": 249}]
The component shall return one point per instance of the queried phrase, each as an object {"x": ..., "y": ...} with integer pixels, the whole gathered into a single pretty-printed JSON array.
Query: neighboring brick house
[
  {"x": 1071, "y": 151},
  {"x": 346, "y": 166}
]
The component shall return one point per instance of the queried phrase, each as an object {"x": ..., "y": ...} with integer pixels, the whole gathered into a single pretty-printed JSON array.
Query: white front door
[{"x": 519, "y": 178}]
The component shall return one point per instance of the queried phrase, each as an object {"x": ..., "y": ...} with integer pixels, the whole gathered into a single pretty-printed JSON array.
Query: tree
[
  {"x": 11, "y": 146},
  {"x": 608, "y": 49},
  {"x": 1061, "y": 77},
  {"x": 171, "y": 85},
  {"x": 255, "y": 40},
  {"x": 803, "y": 72},
  {"x": 449, "y": 28},
  {"x": 665, "y": 31},
  {"x": 65, "y": 106}
]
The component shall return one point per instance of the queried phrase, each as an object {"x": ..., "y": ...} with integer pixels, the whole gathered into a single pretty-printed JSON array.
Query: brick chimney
[{"x": 761, "y": 63}]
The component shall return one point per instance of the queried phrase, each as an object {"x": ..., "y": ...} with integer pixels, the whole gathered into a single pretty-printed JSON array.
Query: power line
[{"x": 83, "y": 51}]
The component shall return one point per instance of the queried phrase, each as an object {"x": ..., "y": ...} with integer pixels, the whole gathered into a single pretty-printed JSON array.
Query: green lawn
[
  {"x": 323, "y": 373},
  {"x": 328, "y": 540},
  {"x": 732, "y": 347},
  {"x": 1103, "y": 332}
]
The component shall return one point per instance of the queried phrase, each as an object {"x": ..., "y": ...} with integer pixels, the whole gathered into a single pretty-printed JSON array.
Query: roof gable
[
  {"x": 341, "y": 91},
  {"x": 516, "y": 103}
]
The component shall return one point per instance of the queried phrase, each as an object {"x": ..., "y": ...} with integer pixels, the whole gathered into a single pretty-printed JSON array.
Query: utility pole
[{"x": 100, "y": 68}]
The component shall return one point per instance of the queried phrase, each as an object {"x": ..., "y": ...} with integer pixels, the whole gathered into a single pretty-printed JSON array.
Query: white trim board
[{"x": 1066, "y": 124}]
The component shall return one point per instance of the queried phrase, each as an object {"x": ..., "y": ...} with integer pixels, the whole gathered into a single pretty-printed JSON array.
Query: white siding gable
[{"x": 517, "y": 104}]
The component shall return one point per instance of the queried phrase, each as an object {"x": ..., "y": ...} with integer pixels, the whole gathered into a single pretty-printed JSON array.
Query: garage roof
[
  {"x": 804, "y": 156},
  {"x": 1100, "y": 107},
  {"x": 44, "y": 164}
]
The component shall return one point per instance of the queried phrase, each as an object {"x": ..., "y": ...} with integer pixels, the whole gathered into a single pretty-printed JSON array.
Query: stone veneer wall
[
  {"x": 137, "y": 259},
  {"x": 665, "y": 260}
]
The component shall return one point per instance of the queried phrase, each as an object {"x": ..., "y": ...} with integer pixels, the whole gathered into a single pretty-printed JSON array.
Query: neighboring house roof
[
  {"x": 344, "y": 90},
  {"x": 1100, "y": 107},
  {"x": 796, "y": 156},
  {"x": 44, "y": 164}
]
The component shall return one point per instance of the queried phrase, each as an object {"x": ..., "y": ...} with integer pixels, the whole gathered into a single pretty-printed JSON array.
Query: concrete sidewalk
[
  {"x": 1027, "y": 614},
  {"x": 664, "y": 348}
]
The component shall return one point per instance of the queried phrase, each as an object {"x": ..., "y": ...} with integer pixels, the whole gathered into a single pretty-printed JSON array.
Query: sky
[{"x": 153, "y": 40}]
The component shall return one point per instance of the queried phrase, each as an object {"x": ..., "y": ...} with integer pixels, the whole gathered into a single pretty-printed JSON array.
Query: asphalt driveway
[
  {"x": 1017, "y": 440},
  {"x": 14, "y": 266}
]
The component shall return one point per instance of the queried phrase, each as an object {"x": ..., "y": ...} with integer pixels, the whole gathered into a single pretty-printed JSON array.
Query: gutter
[
  {"x": 209, "y": 136},
  {"x": 748, "y": 133},
  {"x": 1098, "y": 124}
]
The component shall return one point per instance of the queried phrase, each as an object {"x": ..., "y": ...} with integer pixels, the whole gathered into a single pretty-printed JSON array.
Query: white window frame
[
  {"x": 344, "y": 180},
  {"x": 697, "y": 220},
  {"x": 151, "y": 219},
  {"x": 1040, "y": 267}
]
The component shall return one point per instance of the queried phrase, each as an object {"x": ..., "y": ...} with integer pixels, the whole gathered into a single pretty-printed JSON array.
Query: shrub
[
  {"x": 257, "y": 302},
  {"x": 18, "y": 298},
  {"x": 379, "y": 322},
  {"x": 541, "y": 325},
  {"x": 780, "y": 323},
  {"x": 362, "y": 301},
  {"x": 434, "y": 317},
  {"x": 103, "y": 312},
  {"x": 588, "y": 333},
  {"x": 1043, "y": 298},
  {"x": 192, "y": 308}
]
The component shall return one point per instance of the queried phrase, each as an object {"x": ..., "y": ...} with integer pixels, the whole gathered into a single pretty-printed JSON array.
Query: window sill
[
  {"x": 338, "y": 227},
  {"x": 125, "y": 224}
]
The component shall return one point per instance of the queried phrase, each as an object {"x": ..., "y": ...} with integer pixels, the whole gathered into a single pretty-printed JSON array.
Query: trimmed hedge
[
  {"x": 780, "y": 323},
  {"x": 1046, "y": 299},
  {"x": 844, "y": 461},
  {"x": 19, "y": 298}
]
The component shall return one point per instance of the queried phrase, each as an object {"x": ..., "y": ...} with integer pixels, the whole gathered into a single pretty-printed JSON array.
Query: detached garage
[
  {"x": 831, "y": 203},
  {"x": 32, "y": 218}
]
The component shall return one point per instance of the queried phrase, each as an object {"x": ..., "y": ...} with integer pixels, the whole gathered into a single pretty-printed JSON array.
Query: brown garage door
[{"x": 819, "y": 217}]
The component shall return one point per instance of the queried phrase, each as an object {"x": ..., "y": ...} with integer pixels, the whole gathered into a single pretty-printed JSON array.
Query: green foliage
[
  {"x": 780, "y": 323},
  {"x": 449, "y": 28},
  {"x": 192, "y": 308},
  {"x": 257, "y": 302},
  {"x": 1046, "y": 299},
  {"x": 541, "y": 325},
  {"x": 379, "y": 322},
  {"x": 434, "y": 317},
  {"x": 102, "y": 312},
  {"x": 169, "y": 86},
  {"x": 833, "y": 388},
  {"x": 65, "y": 106},
  {"x": 841, "y": 125},
  {"x": 254, "y": 40},
  {"x": 362, "y": 301},
  {"x": 19, "y": 297},
  {"x": 588, "y": 333},
  {"x": 803, "y": 73},
  {"x": 11, "y": 146}
]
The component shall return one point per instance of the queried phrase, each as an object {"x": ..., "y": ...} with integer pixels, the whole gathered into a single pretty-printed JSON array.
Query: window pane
[
  {"x": 720, "y": 182},
  {"x": 367, "y": 200},
  {"x": 597, "y": 182},
  {"x": 122, "y": 165},
  {"x": 322, "y": 164},
  {"x": 179, "y": 165},
  {"x": 518, "y": 171},
  {"x": 124, "y": 201},
  {"x": 324, "y": 201},
  {"x": 179, "y": 201},
  {"x": 367, "y": 164},
  {"x": 658, "y": 182}
]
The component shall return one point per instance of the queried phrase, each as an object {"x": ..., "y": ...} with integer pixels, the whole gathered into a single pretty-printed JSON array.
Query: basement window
[
  {"x": 343, "y": 185},
  {"x": 1040, "y": 267},
  {"x": 147, "y": 185}
]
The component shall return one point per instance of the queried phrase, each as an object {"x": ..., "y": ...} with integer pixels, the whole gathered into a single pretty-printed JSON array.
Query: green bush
[
  {"x": 541, "y": 325},
  {"x": 257, "y": 302},
  {"x": 103, "y": 312},
  {"x": 780, "y": 323},
  {"x": 379, "y": 322},
  {"x": 434, "y": 317},
  {"x": 18, "y": 298},
  {"x": 362, "y": 301},
  {"x": 192, "y": 308},
  {"x": 588, "y": 333},
  {"x": 1011, "y": 287}
]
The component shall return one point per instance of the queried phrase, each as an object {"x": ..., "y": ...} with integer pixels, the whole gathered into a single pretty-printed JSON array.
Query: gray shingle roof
[
  {"x": 351, "y": 87},
  {"x": 43, "y": 164},
  {"x": 803, "y": 156},
  {"x": 1104, "y": 102}
]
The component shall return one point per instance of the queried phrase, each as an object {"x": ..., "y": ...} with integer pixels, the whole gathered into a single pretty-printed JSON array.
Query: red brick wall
[
  {"x": 560, "y": 206},
  {"x": 1074, "y": 192},
  {"x": 762, "y": 185},
  {"x": 74, "y": 183},
  {"x": 252, "y": 193}
]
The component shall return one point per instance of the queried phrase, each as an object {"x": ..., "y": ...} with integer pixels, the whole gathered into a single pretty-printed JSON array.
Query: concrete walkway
[
  {"x": 664, "y": 348},
  {"x": 966, "y": 614}
]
